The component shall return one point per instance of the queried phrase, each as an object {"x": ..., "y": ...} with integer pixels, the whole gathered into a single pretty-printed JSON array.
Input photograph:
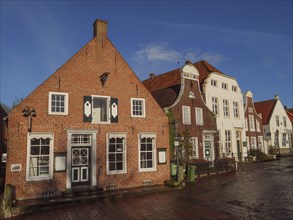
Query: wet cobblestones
[{"x": 256, "y": 191}]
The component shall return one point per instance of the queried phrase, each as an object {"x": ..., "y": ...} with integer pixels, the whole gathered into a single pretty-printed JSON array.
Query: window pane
[
  {"x": 35, "y": 150},
  {"x": 111, "y": 157},
  {"x": 149, "y": 164},
  {"x": 45, "y": 150},
  {"x": 112, "y": 166},
  {"x": 119, "y": 166},
  {"x": 119, "y": 157}
]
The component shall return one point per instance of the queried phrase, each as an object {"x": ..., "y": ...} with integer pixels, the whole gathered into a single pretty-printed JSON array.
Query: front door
[
  {"x": 207, "y": 150},
  {"x": 238, "y": 138},
  {"x": 80, "y": 166}
]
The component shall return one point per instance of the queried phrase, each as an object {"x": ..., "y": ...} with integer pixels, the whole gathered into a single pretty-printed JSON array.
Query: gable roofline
[
  {"x": 266, "y": 108},
  {"x": 247, "y": 95},
  {"x": 173, "y": 77}
]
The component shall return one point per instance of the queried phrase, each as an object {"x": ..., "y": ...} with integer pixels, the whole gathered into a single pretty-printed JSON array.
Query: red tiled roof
[
  {"x": 265, "y": 108},
  {"x": 290, "y": 115},
  {"x": 173, "y": 77}
]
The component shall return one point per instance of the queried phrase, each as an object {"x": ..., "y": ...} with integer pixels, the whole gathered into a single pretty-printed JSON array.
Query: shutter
[
  {"x": 87, "y": 109},
  {"x": 114, "y": 110}
]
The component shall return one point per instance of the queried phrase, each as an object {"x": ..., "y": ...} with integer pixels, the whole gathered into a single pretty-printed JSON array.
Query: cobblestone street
[{"x": 256, "y": 191}]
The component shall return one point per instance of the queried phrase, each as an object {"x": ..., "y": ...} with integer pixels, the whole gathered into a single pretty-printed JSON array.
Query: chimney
[
  {"x": 188, "y": 62},
  {"x": 276, "y": 97},
  {"x": 100, "y": 28},
  {"x": 152, "y": 75}
]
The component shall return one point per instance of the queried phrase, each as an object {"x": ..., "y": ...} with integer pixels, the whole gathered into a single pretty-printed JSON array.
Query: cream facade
[
  {"x": 278, "y": 132},
  {"x": 224, "y": 98}
]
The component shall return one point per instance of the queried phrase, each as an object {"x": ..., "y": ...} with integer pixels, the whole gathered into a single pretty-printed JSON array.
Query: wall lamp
[{"x": 29, "y": 112}]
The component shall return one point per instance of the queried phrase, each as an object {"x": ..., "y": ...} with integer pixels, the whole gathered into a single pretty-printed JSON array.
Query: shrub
[{"x": 260, "y": 156}]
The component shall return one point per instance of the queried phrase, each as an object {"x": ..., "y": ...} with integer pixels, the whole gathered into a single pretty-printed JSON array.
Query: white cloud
[
  {"x": 153, "y": 52},
  {"x": 282, "y": 75},
  {"x": 161, "y": 51}
]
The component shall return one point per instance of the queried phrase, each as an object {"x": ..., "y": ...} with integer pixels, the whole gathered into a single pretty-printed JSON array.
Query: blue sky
[{"x": 249, "y": 40}]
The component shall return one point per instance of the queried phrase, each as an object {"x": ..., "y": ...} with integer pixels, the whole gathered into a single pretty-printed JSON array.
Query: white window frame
[
  {"x": 215, "y": 105},
  {"x": 198, "y": 116},
  {"x": 186, "y": 116},
  {"x": 153, "y": 137},
  {"x": 143, "y": 107},
  {"x": 107, "y": 109},
  {"x": 51, "y": 156},
  {"x": 214, "y": 83},
  {"x": 117, "y": 135},
  {"x": 277, "y": 120},
  {"x": 251, "y": 123},
  {"x": 284, "y": 121},
  {"x": 260, "y": 142},
  {"x": 236, "y": 109},
  {"x": 253, "y": 143},
  {"x": 284, "y": 136},
  {"x": 225, "y": 86},
  {"x": 194, "y": 143},
  {"x": 257, "y": 125},
  {"x": 228, "y": 142},
  {"x": 65, "y": 103},
  {"x": 226, "y": 108}
]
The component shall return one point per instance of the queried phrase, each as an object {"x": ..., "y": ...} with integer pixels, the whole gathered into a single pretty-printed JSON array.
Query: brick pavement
[{"x": 256, "y": 191}]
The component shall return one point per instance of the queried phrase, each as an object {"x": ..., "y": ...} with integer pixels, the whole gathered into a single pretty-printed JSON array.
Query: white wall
[
  {"x": 273, "y": 127},
  {"x": 226, "y": 123}
]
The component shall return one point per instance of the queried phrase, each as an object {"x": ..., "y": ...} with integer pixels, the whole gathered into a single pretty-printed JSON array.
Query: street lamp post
[{"x": 29, "y": 112}]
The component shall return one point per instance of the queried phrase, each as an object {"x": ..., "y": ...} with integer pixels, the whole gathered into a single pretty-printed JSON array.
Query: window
[
  {"x": 277, "y": 120},
  {"x": 147, "y": 152},
  {"x": 116, "y": 147},
  {"x": 224, "y": 86},
  {"x": 215, "y": 105},
  {"x": 236, "y": 109},
  {"x": 251, "y": 123},
  {"x": 253, "y": 142},
  {"x": 198, "y": 116},
  {"x": 276, "y": 142},
  {"x": 228, "y": 141},
  {"x": 58, "y": 103},
  {"x": 234, "y": 88},
  {"x": 40, "y": 157},
  {"x": 226, "y": 108},
  {"x": 194, "y": 143},
  {"x": 100, "y": 109},
  {"x": 260, "y": 141},
  {"x": 284, "y": 122},
  {"x": 214, "y": 83},
  {"x": 186, "y": 115},
  {"x": 284, "y": 139},
  {"x": 137, "y": 107},
  {"x": 77, "y": 139},
  {"x": 250, "y": 110},
  {"x": 257, "y": 125}
]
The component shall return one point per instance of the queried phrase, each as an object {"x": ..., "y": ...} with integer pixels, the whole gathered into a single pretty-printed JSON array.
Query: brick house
[
  {"x": 178, "y": 93},
  {"x": 277, "y": 128},
  {"x": 222, "y": 95},
  {"x": 253, "y": 125},
  {"x": 91, "y": 123}
]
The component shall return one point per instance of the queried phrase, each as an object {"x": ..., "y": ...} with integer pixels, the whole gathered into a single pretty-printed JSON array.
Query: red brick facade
[
  {"x": 80, "y": 77},
  {"x": 254, "y": 127},
  {"x": 188, "y": 94}
]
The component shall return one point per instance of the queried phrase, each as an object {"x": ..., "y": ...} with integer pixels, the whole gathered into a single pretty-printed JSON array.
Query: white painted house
[
  {"x": 276, "y": 125},
  {"x": 223, "y": 96}
]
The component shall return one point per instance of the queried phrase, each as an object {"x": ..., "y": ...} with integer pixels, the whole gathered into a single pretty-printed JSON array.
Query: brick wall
[{"x": 79, "y": 77}]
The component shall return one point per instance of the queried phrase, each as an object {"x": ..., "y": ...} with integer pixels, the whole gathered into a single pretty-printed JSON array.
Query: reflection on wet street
[{"x": 256, "y": 191}]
